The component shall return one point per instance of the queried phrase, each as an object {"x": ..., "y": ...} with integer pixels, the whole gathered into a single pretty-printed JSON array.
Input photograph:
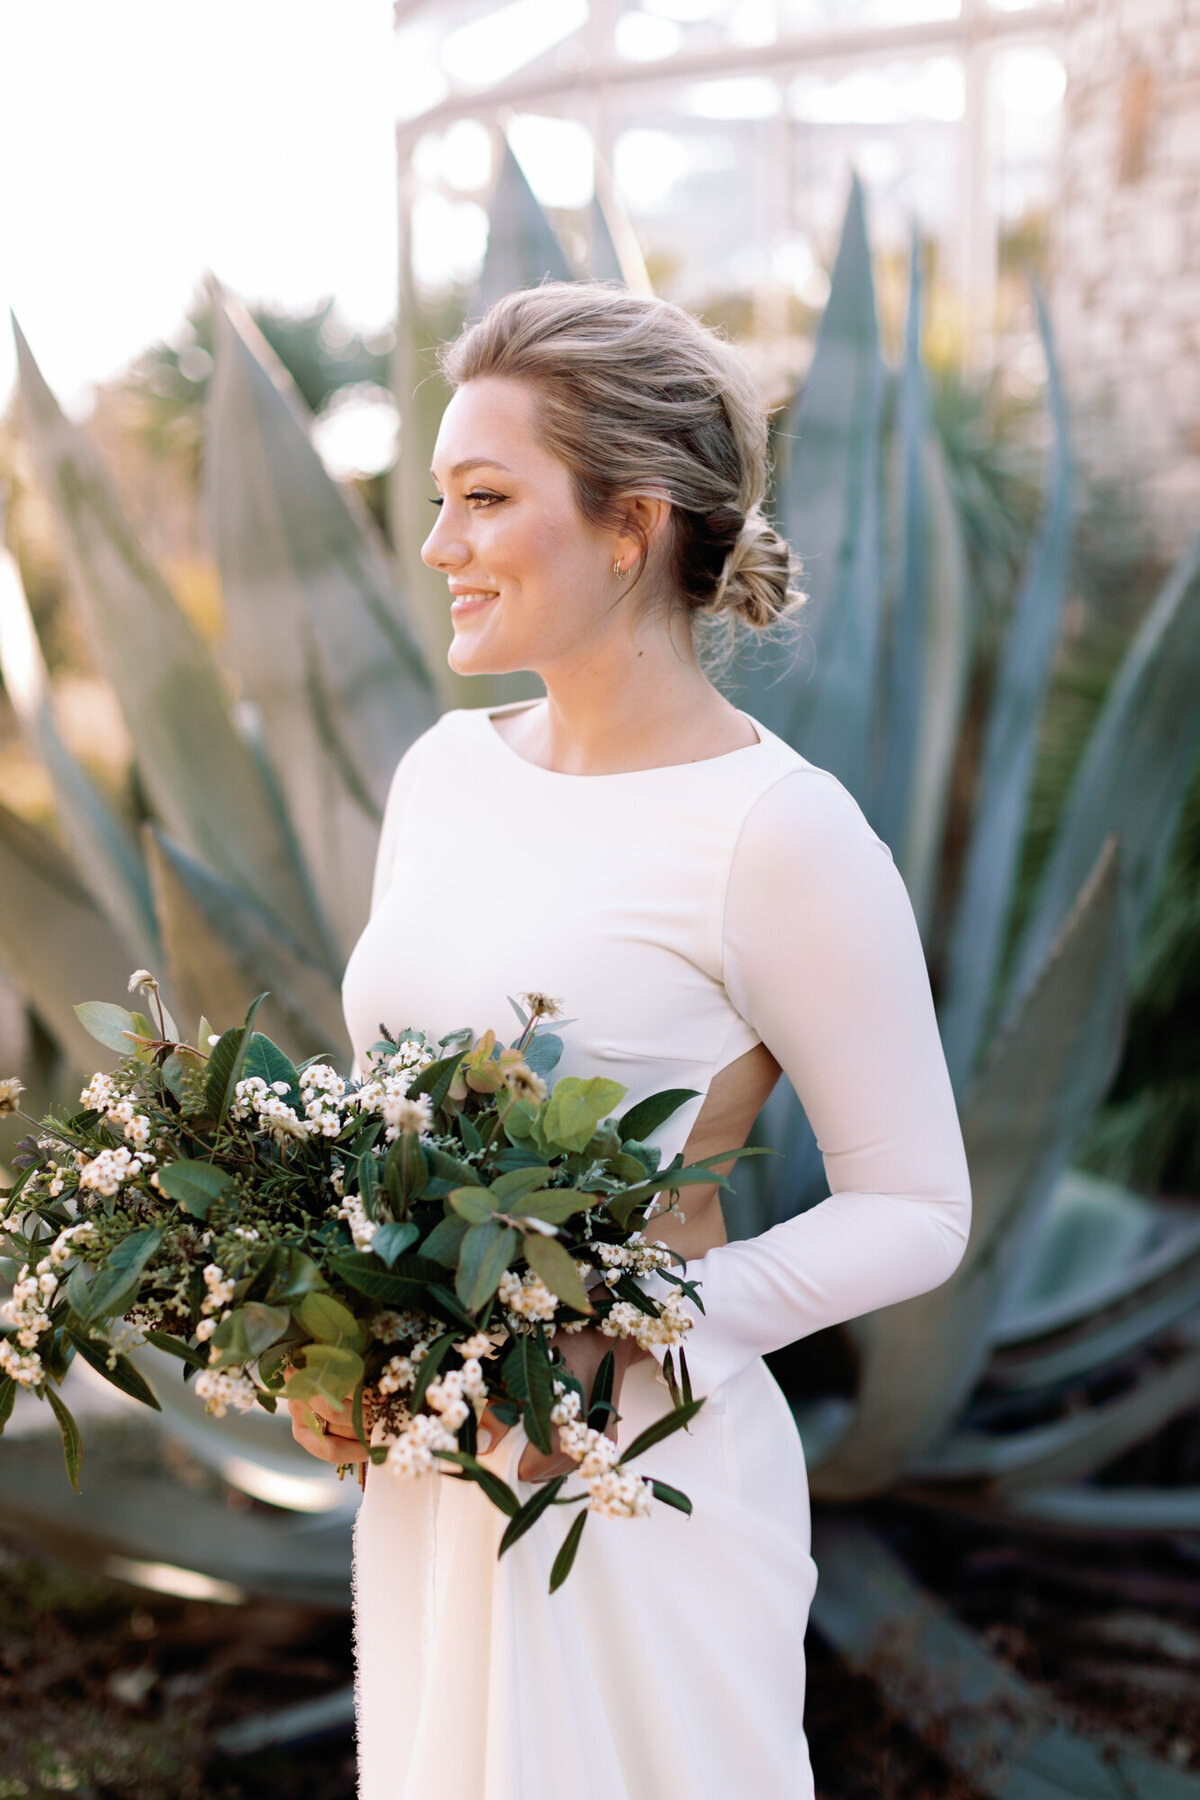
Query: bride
[{"x": 713, "y": 910}]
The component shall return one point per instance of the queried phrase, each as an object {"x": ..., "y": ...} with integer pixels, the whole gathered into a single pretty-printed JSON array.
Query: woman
[{"x": 711, "y": 909}]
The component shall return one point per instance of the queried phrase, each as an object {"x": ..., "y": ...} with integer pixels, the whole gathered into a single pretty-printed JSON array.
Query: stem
[{"x": 500, "y": 1118}]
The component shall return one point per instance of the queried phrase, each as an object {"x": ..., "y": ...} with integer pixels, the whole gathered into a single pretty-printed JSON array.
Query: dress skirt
[{"x": 669, "y": 1666}]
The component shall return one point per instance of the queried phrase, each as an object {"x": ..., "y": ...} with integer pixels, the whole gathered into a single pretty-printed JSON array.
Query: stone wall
[{"x": 1126, "y": 252}]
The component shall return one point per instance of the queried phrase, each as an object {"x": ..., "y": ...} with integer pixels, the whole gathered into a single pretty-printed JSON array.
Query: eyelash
[{"x": 475, "y": 494}]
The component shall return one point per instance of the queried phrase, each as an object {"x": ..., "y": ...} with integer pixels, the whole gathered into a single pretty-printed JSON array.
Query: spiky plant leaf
[
  {"x": 315, "y": 624},
  {"x": 920, "y": 1359},
  {"x": 976, "y": 939},
  {"x": 203, "y": 779}
]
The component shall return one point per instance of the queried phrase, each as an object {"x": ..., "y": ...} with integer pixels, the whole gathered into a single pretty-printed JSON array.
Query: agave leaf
[
  {"x": 949, "y": 630},
  {"x": 1076, "y": 1511},
  {"x": 54, "y": 941},
  {"x": 1090, "y": 1237},
  {"x": 1137, "y": 766},
  {"x": 1010, "y": 742},
  {"x": 315, "y": 625},
  {"x": 103, "y": 848},
  {"x": 1005, "y": 1737},
  {"x": 905, "y": 669},
  {"x": 222, "y": 949},
  {"x": 523, "y": 247},
  {"x": 829, "y": 507},
  {"x": 1077, "y": 1445},
  {"x": 203, "y": 779},
  {"x": 144, "y": 1517},
  {"x": 920, "y": 1359}
]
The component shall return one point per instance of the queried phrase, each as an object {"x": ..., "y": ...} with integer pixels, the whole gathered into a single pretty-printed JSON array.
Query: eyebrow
[{"x": 475, "y": 462}]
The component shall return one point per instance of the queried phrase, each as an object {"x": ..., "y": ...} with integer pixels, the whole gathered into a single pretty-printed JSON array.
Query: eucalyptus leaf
[
  {"x": 575, "y": 1108},
  {"x": 194, "y": 1183},
  {"x": 325, "y": 1372},
  {"x": 327, "y": 1320}
]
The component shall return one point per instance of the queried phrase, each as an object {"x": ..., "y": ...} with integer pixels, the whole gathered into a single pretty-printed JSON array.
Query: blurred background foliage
[{"x": 214, "y": 651}]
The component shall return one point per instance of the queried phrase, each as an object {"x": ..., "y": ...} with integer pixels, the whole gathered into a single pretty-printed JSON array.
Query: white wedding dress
[{"x": 682, "y": 915}]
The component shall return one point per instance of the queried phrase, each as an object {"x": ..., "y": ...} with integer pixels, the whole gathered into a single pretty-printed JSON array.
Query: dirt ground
[{"x": 106, "y": 1691}]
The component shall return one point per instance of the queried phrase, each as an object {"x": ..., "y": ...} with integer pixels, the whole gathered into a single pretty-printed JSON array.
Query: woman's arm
[{"x": 823, "y": 958}]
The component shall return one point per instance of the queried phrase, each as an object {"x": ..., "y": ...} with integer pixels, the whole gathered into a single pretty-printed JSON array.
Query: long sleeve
[{"x": 823, "y": 959}]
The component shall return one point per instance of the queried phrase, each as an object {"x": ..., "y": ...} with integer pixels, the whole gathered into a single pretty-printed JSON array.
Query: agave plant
[{"x": 251, "y": 872}]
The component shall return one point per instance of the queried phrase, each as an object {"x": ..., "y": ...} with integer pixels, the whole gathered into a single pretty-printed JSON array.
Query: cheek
[{"x": 536, "y": 550}]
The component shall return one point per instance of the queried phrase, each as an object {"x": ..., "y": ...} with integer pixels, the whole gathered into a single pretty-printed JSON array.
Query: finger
[
  {"x": 327, "y": 1447},
  {"x": 535, "y": 1465}
]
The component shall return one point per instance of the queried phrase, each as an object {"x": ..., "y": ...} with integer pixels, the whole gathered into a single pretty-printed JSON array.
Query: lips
[{"x": 471, "y": 602}]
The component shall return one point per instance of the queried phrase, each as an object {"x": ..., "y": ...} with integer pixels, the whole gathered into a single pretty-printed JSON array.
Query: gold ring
[{"x": 319, "y": 1425}]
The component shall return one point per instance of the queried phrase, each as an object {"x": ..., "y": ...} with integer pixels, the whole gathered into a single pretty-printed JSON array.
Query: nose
[{"x": 441, "y": 550}]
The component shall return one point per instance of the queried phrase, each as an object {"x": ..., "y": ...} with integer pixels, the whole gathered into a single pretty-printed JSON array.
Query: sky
[{"x": 144, "y": 142}]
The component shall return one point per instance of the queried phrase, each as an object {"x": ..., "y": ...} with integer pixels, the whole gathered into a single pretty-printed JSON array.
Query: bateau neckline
[{"x": 487, "y": 715}]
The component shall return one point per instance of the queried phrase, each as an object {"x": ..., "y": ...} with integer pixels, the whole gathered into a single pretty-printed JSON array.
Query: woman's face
[{"x": 531, "y": 579}]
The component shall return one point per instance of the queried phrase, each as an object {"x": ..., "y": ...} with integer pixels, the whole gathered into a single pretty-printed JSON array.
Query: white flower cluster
[
  {"x": 401, "y": 1114},
  {"x": 220, "y": 1291},
  {"x": 384, "y": 1092},
  {"x": 222, "y": 1388},
  {"x": 635, "y": 1256},
  {"x": 526, "y": 1298},
  {"x": 253, "y": 1096},
  {"x": 27, "y": 1308},
  {"x": 612, "y": 1490},
  {"x": 669, "y": 1328},
  {"x": 109, "y": 1170},
  {"x": 452, "y": 1397},
  {"x": 322, "y": 1093},
  {"x": 362, "y": 1229}
]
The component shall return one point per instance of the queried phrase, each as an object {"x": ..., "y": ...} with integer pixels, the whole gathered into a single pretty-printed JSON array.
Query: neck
[{"x": 627, "y": 705}]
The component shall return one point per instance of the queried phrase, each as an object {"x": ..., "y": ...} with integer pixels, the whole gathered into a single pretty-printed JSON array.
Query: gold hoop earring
[{"x": 619, "y": 572}]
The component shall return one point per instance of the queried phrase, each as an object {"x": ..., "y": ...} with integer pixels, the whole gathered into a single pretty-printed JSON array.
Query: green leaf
[
  {"x": 108, "y": 1024},
  {"x": 476, "y": 1205},
  {"x": 497, "y": 1491},
  {"x": 671, "y": 1496},
  {"x": 265, "y": 1059},
  {"x": 173, "y": 1346},
  {"x": 117, "y": 1283},
  {"x": 436, "y": 1079},
  {"x": 556, "y": 1266},
  {"x": 8, "y": 1394},
  {"x": 72, "y": 1442},
  {"x": 662, "y": 1428},
  {"x": 397, "y": 1287},
  {"x": 295, "y": 1275},
  {"x": 327, "y": 1320},
  {"x": 445, "y": 1241},
  {"x": 194, "y": 1184},
  {"x": 529, "y": 1378},
  {"x": 518, "y": 1182},
  {"x": 575, "y": 1108},
  {"x": 487, "y": 1250},
  {"x": 531, "y": 1512},
  {"x": 602, "y": 1392},
  {"x": 566, "y": 1555},
  {"x": 554, "y": 1205},
  {"x": 429, "y": 1365},
  {"x": 652, "y": 1112},
  {"x": 225, "y": 1063},
  {"x": 122, "y": 1374},
  {"x": 449, "y": 1167},
  {"x": 325, "y": 1372},
  {"x": 247, "y": 1332},
  {"x": 392, "y": 1240}
]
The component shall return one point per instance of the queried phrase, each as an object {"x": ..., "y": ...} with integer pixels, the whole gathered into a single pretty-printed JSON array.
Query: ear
[{"x": 647, "y": 515}]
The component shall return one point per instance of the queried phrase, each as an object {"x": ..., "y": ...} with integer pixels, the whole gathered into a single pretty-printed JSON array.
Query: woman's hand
[
  {"x": 583, "y": 1352},
  {"x": 326, "y": 1431}
]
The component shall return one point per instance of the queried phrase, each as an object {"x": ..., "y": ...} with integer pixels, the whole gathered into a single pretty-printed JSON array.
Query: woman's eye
[
  {"x": 435, "y": 500},
  {"x": 480, "y": 497}
]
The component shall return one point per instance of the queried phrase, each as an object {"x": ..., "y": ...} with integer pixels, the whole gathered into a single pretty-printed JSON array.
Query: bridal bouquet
[{"x": 408, "y": 1243}]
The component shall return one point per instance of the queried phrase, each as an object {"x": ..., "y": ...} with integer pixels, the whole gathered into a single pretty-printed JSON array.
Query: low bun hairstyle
[{"x": 634, "y": 395}]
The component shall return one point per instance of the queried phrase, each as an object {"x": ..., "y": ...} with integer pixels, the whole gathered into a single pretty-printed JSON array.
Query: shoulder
[{"x": 806, "y": 814}]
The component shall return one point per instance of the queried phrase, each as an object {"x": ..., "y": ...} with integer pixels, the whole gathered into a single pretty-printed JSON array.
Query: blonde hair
[{"x": 634, "y": 395}]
